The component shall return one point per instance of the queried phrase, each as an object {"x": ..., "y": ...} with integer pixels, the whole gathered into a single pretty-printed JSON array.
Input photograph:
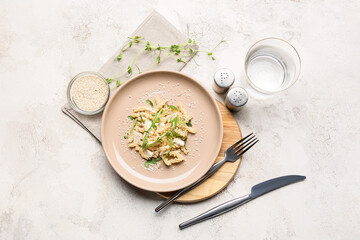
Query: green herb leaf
[
  {"x": 170, "y": 139},
  {"x": 174, "y": 121},
  {"x": 150, "y": 102},
  {"x": 176, "y": 134},
  {"x": 142, "y": 120},
  {"x": 179, "y": 60},
  {"x": 133, "y": 126},
  {"x": 173, "y": 47},
  {"x": 118, "y": 83},
  {"x": 109, "y": 80},
  {"x": 129, "y": 70},
  {"x": 173, "y": 107},
  {"x": 148, "y": 47},
  {"x": 189, "y": 123},
  {"x": 119, "y": 57},
  {"x": 152, "y": 161},
  {"x": 130, "y": 44},
  {"x": 213, "y": 58},
  {"x": 145, "y": 140},
  {"x": 137, "y": 39},
  {"x": 158, "y": 59},
  {"x": 222, "y": 41},
  {"x": 131, "y": 117},
  {"x": 157, "y": 117},
  {"x": 189, "y": 41},
  {"x": 159, "y": 139},
  {"x": 210, "y": 53},
  {"x": 126, "y": 136}
]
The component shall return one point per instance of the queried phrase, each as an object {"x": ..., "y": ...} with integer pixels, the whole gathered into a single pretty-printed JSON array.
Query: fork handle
[
  {"x": 179, "y": 193},
  {"x": 216, "y": 211}
]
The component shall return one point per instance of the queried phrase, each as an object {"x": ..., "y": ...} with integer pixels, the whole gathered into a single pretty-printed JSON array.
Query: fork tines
[{"x": 242, "y": 146}]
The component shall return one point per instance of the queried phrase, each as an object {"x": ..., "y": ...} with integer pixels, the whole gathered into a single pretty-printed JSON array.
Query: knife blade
[
  {"x": 256, "y": 191},
  {"x": 273, "y": 184}
]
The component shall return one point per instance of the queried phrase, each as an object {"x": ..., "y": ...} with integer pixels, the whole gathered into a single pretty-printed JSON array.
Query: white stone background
[{"x": 55, "y": 182}]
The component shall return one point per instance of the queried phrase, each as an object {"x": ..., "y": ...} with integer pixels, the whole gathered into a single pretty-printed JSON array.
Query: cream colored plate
[{"x": 204, "y": 146}]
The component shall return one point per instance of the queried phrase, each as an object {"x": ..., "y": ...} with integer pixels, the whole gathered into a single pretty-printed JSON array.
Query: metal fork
[{"x": 232, "y": 154}]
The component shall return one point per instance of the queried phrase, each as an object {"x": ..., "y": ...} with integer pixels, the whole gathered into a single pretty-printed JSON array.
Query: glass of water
[{"x": 272, "y": 65}]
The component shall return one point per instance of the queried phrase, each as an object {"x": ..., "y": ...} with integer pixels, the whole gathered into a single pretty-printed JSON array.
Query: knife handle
[{"x": 216, "y": 211}]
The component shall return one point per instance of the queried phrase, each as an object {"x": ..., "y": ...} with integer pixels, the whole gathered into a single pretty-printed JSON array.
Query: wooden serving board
[{"x": 226, "y": 173}]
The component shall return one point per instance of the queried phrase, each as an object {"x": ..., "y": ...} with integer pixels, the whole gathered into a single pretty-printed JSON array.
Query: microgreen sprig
[
  {"x": 178, "y": 51},
  {"x": 152, "y": 161},
  {"x": 133, "y": 126}
]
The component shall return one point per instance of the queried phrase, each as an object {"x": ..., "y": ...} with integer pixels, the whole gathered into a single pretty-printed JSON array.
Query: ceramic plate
[{"x": 204, "y": 146}]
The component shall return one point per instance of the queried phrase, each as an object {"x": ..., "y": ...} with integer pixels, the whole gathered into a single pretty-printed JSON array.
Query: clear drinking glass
[{"x": 272, "y": 65}]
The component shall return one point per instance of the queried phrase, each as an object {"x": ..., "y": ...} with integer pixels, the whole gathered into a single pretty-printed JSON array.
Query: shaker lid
[
  {"x": 224, "y": 78},
  {"x": 237, "y": 97}
]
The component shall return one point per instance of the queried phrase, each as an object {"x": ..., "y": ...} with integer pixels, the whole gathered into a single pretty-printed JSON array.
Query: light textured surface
[{"x": 55, "y": 182}]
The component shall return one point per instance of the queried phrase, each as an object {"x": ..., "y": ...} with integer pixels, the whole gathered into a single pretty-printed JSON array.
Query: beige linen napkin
[{"x": 155, "y": 29}]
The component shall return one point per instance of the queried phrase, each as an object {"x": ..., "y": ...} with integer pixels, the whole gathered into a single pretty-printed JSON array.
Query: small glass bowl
[{"x": 71, "y": 100}]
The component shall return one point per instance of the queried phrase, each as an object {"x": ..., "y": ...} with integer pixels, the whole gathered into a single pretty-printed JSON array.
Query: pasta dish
[{"x": 159, "y": 132}]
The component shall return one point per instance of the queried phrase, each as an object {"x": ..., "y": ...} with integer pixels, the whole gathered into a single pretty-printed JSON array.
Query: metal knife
[{"x": 256, "y": 191}]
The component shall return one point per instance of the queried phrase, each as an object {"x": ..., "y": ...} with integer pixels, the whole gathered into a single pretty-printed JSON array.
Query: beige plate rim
[{"x": 106, "y": 112}]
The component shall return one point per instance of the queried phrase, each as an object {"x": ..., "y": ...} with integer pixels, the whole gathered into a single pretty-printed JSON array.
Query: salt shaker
[
  {"x": 223, "y": 80},
  {"x": 236, "y": 98}
]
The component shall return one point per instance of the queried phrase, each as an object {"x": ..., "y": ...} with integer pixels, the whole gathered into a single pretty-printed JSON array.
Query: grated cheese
[{"x": 90, "y": 92}]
